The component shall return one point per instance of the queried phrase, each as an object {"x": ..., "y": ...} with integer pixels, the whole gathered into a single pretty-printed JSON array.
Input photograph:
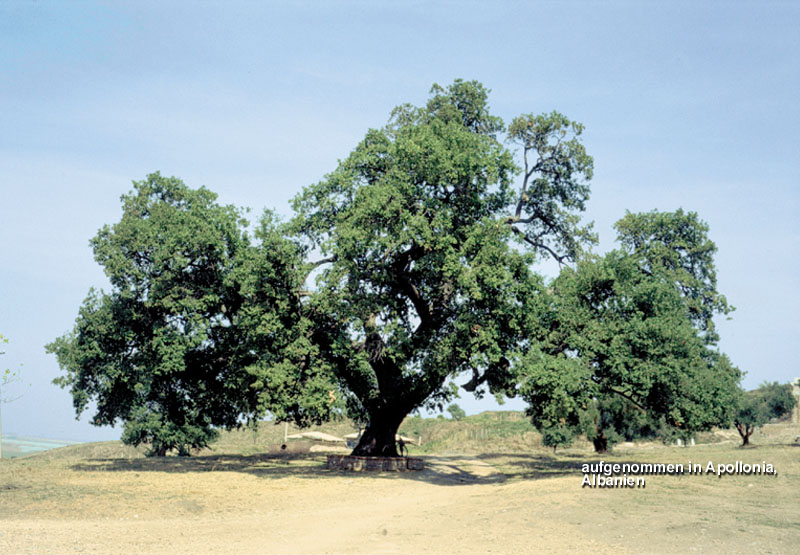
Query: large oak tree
[
  {"x": 401, "y": 270},
  {"x": 420, "y": 278},
  {"x": 408, "y": 266}
]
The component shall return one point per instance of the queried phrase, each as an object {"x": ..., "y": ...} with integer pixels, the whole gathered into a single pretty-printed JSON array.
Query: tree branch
[
  {"x": 523, "y": 195},
  {"x": 319, "y": 263},
  {"x": 628, "y": 397},
  {"x": 525, "y": 237},
  {"x": 403, "y": 281},
  {"x": 310, "y": 267},
  {"x": 477, "y": 380}
]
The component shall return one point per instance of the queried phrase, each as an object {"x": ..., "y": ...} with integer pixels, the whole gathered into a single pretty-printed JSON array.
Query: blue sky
[{"x": 685, "y": 105}]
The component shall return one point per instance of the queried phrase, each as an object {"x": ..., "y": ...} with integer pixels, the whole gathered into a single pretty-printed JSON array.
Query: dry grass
[{"x": 107, "y": 498}]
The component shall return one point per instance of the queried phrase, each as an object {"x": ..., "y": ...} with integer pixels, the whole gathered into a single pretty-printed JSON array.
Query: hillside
[
  {"x": 490, "y": 431},
  {"x": 496, "y": 432}
]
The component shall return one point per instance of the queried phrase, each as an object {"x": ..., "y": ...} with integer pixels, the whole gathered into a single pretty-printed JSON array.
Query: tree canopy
[
  {"x": 421, "y": 281},
  {"x": 409, "y": 265},
  {"x": 175, "y": 351},
  {"x": 636, "y": 325},
  {"x": 756, "y": 408},
  {"x": 675, "y": 246}
]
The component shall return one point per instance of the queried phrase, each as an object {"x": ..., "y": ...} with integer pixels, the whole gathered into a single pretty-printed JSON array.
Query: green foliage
[
  {"x": 611, "y": 419},
  {"x": 199, "y": 328},
  {"x": 456, "y": 412},
  {"x": 757, "y": 407},
  {"x": 675, "y": 245},
  {"x": 424, "y": 252},
  {"x": 276, "y": 334},
  {"x": 156, "y": 352},
  {"x": 420, "y": 280},
  {"x": 625, "y": 348},
  {"x": 557, "y": 435},
  {"x": 555, "y": 184}
]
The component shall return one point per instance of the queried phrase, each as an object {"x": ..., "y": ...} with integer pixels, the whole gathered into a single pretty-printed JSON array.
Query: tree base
[{"x": 358, "y": 464}]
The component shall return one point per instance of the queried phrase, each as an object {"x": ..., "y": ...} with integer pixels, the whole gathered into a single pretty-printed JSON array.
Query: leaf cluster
[
  {"x": 626, "y": 354},
  {"x": 769, "y": 401},
  {"x": 199, "y": 318}
]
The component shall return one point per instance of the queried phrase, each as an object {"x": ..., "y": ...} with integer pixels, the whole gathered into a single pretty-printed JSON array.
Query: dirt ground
[{"x": 503, "y": 503}]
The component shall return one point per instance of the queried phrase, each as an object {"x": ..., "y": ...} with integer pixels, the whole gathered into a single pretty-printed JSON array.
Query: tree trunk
[
  {"x": 600, "y": 443},
  {"x": 378, "y": 439},
  {"x": 745, "y": 432}
]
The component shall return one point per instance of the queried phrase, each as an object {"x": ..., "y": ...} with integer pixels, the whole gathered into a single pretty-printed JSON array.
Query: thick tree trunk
[
  {"x": 378, "y": 439},
  {"x": 600, "y": 443}
]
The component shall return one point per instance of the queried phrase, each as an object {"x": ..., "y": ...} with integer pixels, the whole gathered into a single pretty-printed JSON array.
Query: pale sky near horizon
[{"x": 686, "y": 104}]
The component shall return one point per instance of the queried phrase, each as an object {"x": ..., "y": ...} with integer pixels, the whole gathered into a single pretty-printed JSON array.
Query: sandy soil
[
  {"x": 458, "y": 504},
  {"x": 455, "y": 506}
]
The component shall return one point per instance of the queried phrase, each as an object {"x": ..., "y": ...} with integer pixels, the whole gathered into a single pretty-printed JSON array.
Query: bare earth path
[
  {"x": 257, "y": 504},
  {"x": 464, "y": 510}
]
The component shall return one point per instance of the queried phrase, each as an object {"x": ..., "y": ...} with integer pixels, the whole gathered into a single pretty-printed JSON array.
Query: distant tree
[
  {"x": 757, "y": 407},
  {"x": 456, "y": 412},
  {"x": 557, "y": 435},
  {"x": 636, "y": 325},
  {"x": 611, "y": 419}
]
